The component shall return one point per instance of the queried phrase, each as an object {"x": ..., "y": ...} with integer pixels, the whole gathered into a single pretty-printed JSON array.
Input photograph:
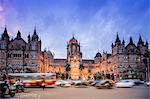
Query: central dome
[{"x": 73, "y": 40}]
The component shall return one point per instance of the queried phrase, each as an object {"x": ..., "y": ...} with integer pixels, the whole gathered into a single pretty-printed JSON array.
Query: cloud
[{"x": 94, "y": 23}]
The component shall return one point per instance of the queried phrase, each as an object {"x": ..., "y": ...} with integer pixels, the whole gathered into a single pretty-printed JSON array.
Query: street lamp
[
  {"x": 23, "y": 61},
  {"x": 148, "y": 70}
]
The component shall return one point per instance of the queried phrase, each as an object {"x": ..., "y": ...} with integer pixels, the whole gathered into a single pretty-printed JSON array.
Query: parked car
[
  {"x": 81, "y": 85},
  {"x": 94, "y": 82},
  {"x": 74, "y": 82},
  {"x": 147, "y": 83},
  {"x": 59, "y": 82},
  {"x": 138, "y": 82},
  {"x": 66, "y": 84},
  {"x": 105, "y": 84},
  {"x": 125, "y": 84}
]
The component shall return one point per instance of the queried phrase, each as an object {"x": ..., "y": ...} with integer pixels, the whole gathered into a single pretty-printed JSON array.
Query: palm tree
[
  {"x": 98, "y": 76},
  {"x": 81, "y": 67},
  {"x": 67, "y": 70}
]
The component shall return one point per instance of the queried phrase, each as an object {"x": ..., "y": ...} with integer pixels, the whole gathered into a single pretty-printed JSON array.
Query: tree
[
  {"x": 81, "y": 67},
  {"x": 62, "y": 76},
  {"x": 67, "y": 70},
  {"x": 98, "y": 76}
]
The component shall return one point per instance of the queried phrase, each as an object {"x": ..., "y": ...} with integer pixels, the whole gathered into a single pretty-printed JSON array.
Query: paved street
[{"x": 139, "y": 92}]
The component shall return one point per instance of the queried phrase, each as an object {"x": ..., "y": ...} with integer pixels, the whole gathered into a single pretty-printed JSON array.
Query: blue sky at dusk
[{"x": 93, "y": 22}]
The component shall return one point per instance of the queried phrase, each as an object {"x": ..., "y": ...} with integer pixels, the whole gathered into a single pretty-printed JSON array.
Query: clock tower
[{"x": 74, "y": 57}]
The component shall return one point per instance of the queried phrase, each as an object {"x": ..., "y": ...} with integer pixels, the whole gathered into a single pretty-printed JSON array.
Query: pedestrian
[{"x": 43, "y": 84}]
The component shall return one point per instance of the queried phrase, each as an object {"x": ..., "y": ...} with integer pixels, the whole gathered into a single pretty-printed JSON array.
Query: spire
[
  {"x": 117, "y": 39},
  {"x": 146, "y": 43},
  {"x": 35, "y": 31},
  {"x": 123, "y": 42},
  {"x": 29, "y": 38},
  {"x": 5, "y": 30},
  {"x": 140, "y": 40},
  {"x": 35, "y": 36},
  {"x": 131, "y": 41},
  {"x": 112, "y": 45},
  {"x": 18, "y": 35},
  {"x": 5, "y": 34}
]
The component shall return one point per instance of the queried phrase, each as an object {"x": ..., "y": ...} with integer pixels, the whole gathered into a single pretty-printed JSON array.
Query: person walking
[{"x": 43, "y": 84}]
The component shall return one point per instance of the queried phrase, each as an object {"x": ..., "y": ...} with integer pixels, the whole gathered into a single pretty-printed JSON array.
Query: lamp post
[
  {"x": 23, "y": 61},
  {"x": 148, "y": 70},
  {"x": 6, "y": 69}
]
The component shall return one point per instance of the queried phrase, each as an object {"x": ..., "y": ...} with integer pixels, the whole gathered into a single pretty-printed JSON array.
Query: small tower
[
  {"x": 140, "y": 42},
  {"x": 97, "y": 57},
  {"x": 18, "y": 35},
  {"x": 146, "y": 44},
  {"x": 74, "y": 57},
  {"x": 118, "y": 47},
  {"x": 4, "y": 39},
  {"x": 5, "y": 35},
  {"x": 35, "y": 42},
  {"x": 143, "y": 48},
  {"x": 35, "y": 37}
]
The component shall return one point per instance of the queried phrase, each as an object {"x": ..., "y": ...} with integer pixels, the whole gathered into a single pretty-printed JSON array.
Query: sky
[{"x": 94, "y": 23}]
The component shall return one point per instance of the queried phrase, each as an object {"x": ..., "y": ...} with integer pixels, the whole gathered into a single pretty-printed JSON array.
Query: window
[
  {"x": 125, "y": 59},
  {"x": 9, "y": 55},
  {"x": 33, "y": 46},
  {"x": 26, "y": 56}
]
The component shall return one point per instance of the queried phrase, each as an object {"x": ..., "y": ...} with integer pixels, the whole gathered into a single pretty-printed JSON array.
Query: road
[{"x": 138, "y": 92}]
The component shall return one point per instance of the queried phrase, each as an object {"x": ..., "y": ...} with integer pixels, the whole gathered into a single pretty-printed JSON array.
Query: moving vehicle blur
[
  {"x": 19, "y": 86},
  {"x": 81, "y": 85},
  {"x": 105, "y": 84},
  {"x": 7, "y": 89},
  {"x": 35, "y": 79},
  {"x": 147, "y": 83},
  {"x": 125, "y": 84}
]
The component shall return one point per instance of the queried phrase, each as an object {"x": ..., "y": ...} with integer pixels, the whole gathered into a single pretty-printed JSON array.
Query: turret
[
  {"x": 146, "y": 44},
  {"x": 123, "y": 42},
  {"x": 29, "y": 38},
  {"x": 140, "y": 42},
  {"x": 5, "y": 35},
  {"x": 131, "y": 41},
  {"x": 35, "y": 36},
  {"x": 118, "y": 41},
  {"x": 35, "y": 42},
  {"x": 4, "y": 40},
  {"x": 18, "y": 35},
  {"x": 98, "y": 57},
  {"x": 118, "y": 47}
]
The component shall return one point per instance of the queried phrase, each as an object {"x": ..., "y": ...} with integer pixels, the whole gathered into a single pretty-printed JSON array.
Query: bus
[{"x": 35, "y": 79}]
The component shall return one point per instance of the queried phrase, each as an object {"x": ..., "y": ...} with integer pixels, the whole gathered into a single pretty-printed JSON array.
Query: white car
[
  {"x": 59, "y": 82},
  {"x": 147, "y": 83},
  {"x": 66, "y": 84},
  {"x": 125, "y": 84},
  {"x": 77, "y": 81}
]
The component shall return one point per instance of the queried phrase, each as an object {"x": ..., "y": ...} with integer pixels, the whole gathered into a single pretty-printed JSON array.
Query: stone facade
[
  {"x": 125, "y": 61},
  {"x": 17, "y": 55}
]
